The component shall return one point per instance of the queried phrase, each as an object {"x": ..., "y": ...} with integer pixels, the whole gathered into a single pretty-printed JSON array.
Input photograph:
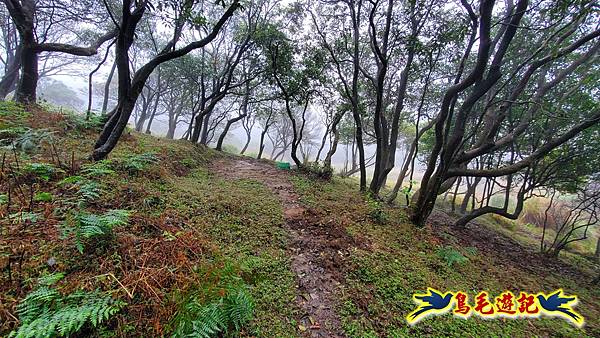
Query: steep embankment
[{"x": 197, "y": 233}]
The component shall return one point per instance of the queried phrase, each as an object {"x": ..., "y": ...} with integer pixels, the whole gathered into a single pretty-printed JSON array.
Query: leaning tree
[
  {"x": 131, "y": 85},
  {"x": 491, "y": 107},
  {"x": 41, "y": 27}
]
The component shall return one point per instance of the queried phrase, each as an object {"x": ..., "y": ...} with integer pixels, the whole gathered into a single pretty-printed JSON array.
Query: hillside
[{"x": 164, "y": 232}]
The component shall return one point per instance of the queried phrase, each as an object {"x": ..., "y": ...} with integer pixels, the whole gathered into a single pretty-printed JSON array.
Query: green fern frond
[
  {"x": 451, "y": 256},
  {"x": 210, "y": 320},
  {"x": 36, "y": 303},
  {"x": 71, "y": 180},
  {"x": 46, "y": 313},
  {"x": 137, "y": 163},
  {"x": 88, "y": 191},
  {"x": 239, "y": 307},
  {"x": 222, "y": 304},
  {"x": 25, "y": 139},
  {"x": 51, "y": 279},
  {"x": 115, "y": 217},
  {"x": 88, "y": 226},
  {"x": 97, "y": 169}
]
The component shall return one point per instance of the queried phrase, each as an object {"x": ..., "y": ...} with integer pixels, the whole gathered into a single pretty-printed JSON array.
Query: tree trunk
[
  {"x": 154, "y": 110},
  {"x": 323, "y": 141},
  {"x": 470, "y": 191},
  {"x": 205, "y": 128},
  {"x": 171, "y": 130},
  {"x": 11, "y": 74},
  {"x": 226, "y": 130},
  {"x": 130, "y": 89},
  {"x": 333, "y": 149},
  {"x": 261, "y": 146},
  {"x": 113, "y": 129},
  {"x": 26, "y": 91},
  {"x": 107, "y": 88},
  {"x": 248, "y": 139},
  {"x": 139, "y": 125}
]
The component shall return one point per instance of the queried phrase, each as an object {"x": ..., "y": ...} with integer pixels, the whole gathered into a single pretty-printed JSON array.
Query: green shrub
[
  {"x": 376, "y": 210},
  {"x": 45, "y": 312},
  {"x": 11, "y": 109},
  {"x": 221, "y": 304},
  {"x": 316, "y": 170},
  {"x": 231, "y": 149},
  {"x": 81, "y": 122},
  {"x": 409, "y": 190},
  {"x": 3, "y": 199},
  {"x": 9, "y": 133},
  {"x": 189, "y": 162},
  {"x": 451, "y": 256}
]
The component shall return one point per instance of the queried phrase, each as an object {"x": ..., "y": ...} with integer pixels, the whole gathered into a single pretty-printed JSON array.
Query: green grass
[{"x": 245, "y": 220}]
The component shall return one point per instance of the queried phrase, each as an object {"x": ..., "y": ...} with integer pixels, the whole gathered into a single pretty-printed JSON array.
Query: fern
[
  {"x": 451, "y": 256},
  {"x": 87, "y": 190},
  {"x": 24, "y": 216},
  {"x": 46, "y": 313},
  {"x": 42, "y": 197},
  {"x": 376, "y": 210},
  {"x": 222, "y": 304},
  {"x": 97, "y": 169},
  {"x": 210, "y": 320},
  {"x": 71, "y": 180},
  {"x": 36, "y": 303},
  {"x": 239, "y": 307},
  {"x": 136, "y": 163},
  {"x": 41, "y": 170},
  {"x": 51, "y": 279},
  {"x": 87, "y": 226},
  {"x": 80, "y": 122}
]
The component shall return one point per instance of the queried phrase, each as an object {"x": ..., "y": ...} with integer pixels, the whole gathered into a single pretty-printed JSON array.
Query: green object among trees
[{"x": 283, "y": 165}]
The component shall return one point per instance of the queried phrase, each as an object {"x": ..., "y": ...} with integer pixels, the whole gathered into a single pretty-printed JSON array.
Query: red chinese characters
[
  {"x": 505, "y": 304},
  {"x": 482, "y": 305},
  {"x": 527, "y": 304},
  {"x": 462, "y": 308}
]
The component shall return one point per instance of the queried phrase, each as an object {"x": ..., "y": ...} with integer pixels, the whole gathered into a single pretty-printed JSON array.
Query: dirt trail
[{"x": 314, "y": 247}]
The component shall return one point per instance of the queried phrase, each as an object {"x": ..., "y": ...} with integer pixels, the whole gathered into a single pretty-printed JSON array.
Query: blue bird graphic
[
  {"x": 559, "y": 304},
  {"x": 431, "y": 302}
]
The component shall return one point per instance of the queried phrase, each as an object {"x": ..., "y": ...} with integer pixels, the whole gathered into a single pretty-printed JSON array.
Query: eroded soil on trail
[{"x": 317, "y": 248}]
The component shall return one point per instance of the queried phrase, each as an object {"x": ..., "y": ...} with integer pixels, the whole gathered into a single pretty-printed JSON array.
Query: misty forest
[{"x": 296, "y": 168}]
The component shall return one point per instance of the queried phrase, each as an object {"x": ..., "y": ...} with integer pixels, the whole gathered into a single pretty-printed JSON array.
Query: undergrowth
[
  {"x": 220, "y": 305},
  {"x": 85, "y": 226},
  {"x": 45, "y": 312}
]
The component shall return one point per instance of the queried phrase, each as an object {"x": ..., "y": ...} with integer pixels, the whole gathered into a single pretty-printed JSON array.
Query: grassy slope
[
  {"x": 184, "y": 220},
  {"x": 187, "y": 220},
  {"x": 396, "y": 260}
]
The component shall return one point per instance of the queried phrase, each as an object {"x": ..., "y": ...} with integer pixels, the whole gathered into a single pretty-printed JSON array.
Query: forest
[{"x": 295, "y": 168}]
